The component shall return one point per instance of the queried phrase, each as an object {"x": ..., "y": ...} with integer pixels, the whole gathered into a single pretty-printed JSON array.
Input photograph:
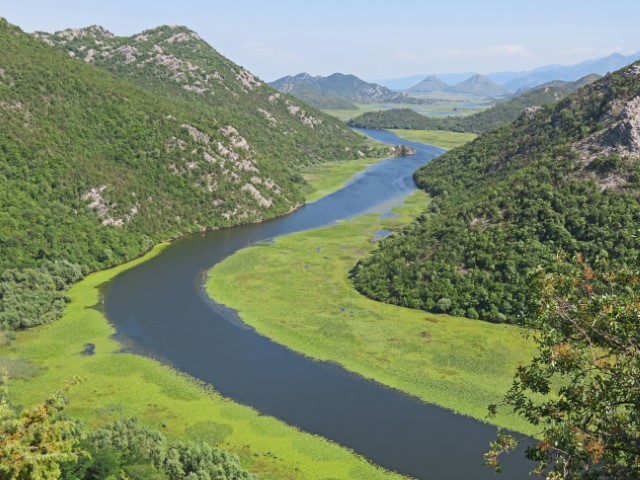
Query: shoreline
[
  {"x": 256, "y": 276},
  {"x": 161, "y": 396}
]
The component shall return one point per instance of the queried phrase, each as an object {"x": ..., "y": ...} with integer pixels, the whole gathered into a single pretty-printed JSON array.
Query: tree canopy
[{"x": 583, "y": 387}]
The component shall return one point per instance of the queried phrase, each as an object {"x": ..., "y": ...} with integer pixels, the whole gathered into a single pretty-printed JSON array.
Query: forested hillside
[
  {"x": 501, "y": 113},
  {"x": 96, "y": 166},
  {"x": 174, "y": 61},
  {"x": 560, "y": 183}
]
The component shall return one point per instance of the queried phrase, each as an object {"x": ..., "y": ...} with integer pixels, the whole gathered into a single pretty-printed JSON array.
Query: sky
[{"x": 372, "y": 39}]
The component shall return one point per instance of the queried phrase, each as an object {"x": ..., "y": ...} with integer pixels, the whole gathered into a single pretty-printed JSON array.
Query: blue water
[{"x": 159, "y": 309}]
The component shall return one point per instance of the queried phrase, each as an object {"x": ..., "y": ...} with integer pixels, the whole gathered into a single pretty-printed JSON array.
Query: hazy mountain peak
[
  {"x": 479, "y": 85},
  {"x": 430, "y": 84}
]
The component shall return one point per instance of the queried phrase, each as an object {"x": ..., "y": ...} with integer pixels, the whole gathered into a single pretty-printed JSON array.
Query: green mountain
[
  {"x": 347, "y": 87},
  {"x": 175, "y": 61},
  {"x": 480, "y": 122},
  {"x": 97, "y": 163},
  {"x": 559, "y": 183}
]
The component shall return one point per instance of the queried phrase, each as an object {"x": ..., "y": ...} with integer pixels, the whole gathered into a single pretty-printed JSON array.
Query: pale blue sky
[{"x": 372, "y": 39}]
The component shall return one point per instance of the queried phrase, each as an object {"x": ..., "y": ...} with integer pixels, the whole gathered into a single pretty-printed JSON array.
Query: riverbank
[
  {"x": 127, "y": 385},
  {"x": 327, "y": 178},
  {"x": 296, "y": 291},
  {"x": 122, "y": 384}
]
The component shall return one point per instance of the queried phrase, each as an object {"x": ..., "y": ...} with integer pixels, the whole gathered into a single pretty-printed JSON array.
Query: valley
[
  {"x": 176, "y": 400},
  {"x": 208, "y": 274}
]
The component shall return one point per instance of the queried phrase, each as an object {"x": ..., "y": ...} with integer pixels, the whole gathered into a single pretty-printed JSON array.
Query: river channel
[{"x": 159, "y": 309}]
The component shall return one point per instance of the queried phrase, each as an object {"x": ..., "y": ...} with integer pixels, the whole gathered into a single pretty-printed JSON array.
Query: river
[{"x": 159, "y": 309}]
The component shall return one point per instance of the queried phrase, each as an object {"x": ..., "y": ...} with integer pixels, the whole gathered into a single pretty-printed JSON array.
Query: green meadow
[
  {"x": 297, "y": 291},
  {"x": 43, "y": 359},
  {"x": 439, "y": 106},
  {"x": 439, "y": 138},
  {"x": 329, "y": 177}
]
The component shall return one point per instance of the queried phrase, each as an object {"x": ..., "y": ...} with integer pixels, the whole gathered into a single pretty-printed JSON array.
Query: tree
[
  {"x": 583, "y": 388},
  {"x": 35, "y": 442}
]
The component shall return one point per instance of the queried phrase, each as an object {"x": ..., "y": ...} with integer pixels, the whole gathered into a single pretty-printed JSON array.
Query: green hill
[
  {"x": 175, "y": 61},
  {"x": 480, "y": 122},
  {"x": 559, "y": 183},
  {"x": 97, "y": 165}
]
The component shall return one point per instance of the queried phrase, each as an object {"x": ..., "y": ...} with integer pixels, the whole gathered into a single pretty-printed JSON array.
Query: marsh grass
[
  {"x": 439, "y": 105},
  {"x": 439, "y": 138},
  {"x": 117, "y": 384},
  {"x": 297, "y": 291},
  {"x": 327, "y": 178}
]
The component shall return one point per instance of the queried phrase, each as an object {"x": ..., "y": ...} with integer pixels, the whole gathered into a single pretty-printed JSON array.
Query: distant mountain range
[
  {"x": 340, "y": 91},
  {"x": 514, "y": 81},
  {"x": 475, "y": 85},
  {"x": 326, "y": 92},
  {"x": 401, "y": 84},
  {"x": 431, "y": 84},
  {"x": 569, "y": 73}
]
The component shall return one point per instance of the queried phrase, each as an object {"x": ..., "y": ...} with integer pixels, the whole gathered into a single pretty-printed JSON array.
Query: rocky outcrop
[
  {"x": 620, "y": 137},
  {"x": 400, "y": 151}
]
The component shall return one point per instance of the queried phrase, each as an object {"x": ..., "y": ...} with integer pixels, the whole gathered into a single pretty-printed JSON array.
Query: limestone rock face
[{"x": 621, "y": 136}]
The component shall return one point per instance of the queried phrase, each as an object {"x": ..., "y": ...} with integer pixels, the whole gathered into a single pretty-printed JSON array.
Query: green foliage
[
  {"x": 589, "y": 346},
  {"x": 511, "y": 200},
  {"x": 42, "y": 444},
  {"x": 98, "y": 163},
  {"x": 35, "y": 442},
  {"x": 322, "y": 100},
  {"x": 144, "y": 453},
  {"x": 502, "y": 113},
  {"x": 34, "y": 296}
]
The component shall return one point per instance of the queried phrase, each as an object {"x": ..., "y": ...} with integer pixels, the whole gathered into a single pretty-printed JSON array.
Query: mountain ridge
[
  {"x": 121, "y": 156},
  {"x": 518, "y": 79},
  {"x": 346, "y": 86},
  {"x": 430, "y": 84},
  {"x": 479, "y": 85},
  {"x": 559, "y": 183}
]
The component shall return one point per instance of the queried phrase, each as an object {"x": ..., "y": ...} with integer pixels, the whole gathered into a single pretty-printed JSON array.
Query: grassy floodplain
[
  {"x": 116, "y": 384},
  {"x": 329, "y": 177},
  {"x": 297, "y": 292},
  {"x": 440, "y": 138},
  {"x": 440, "y": 106}
]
